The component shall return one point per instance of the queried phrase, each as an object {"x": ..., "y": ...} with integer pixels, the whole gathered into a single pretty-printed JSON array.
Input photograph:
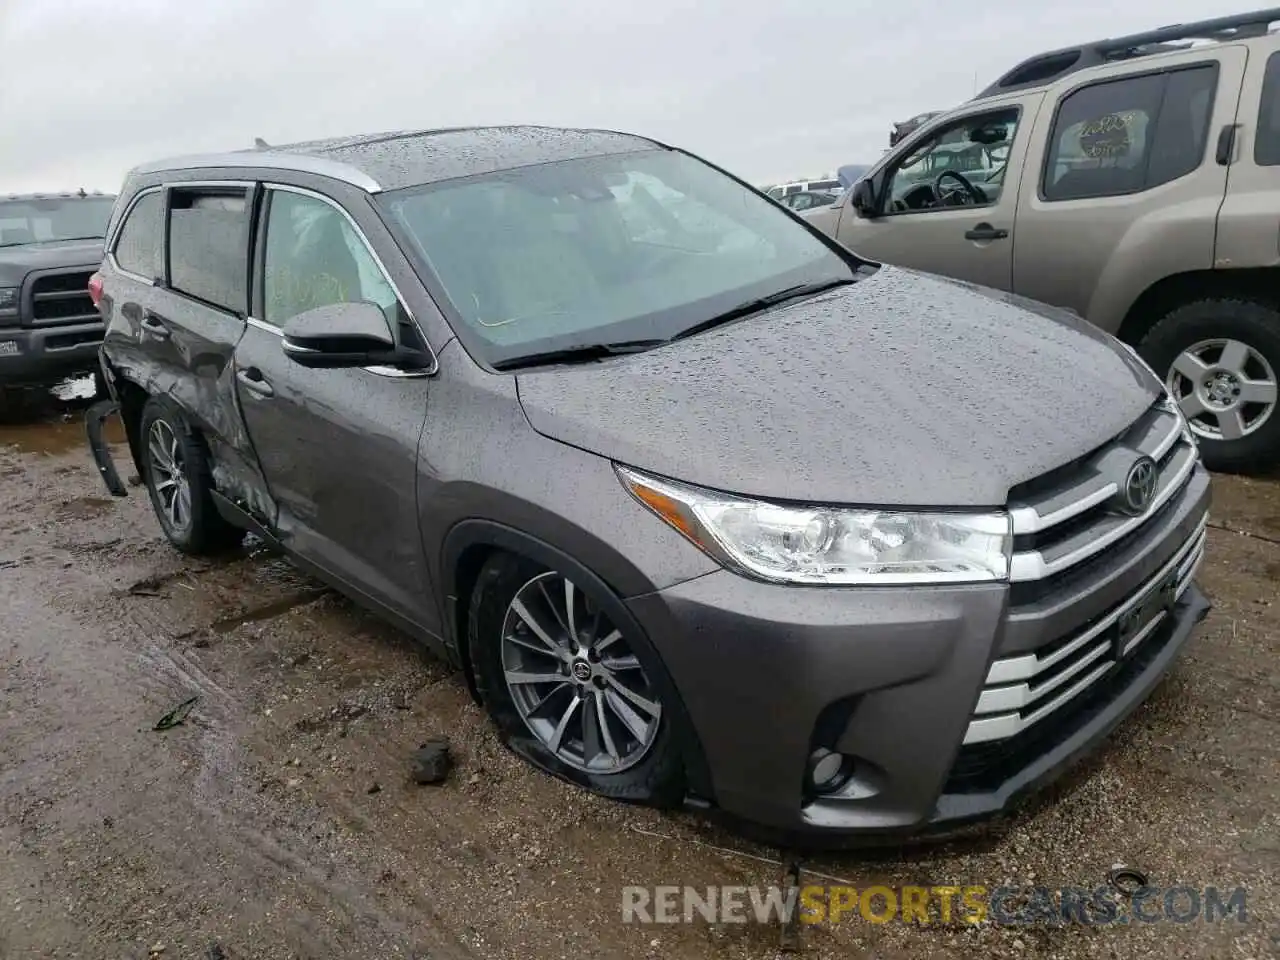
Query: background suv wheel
[
  {"x": 1221, "y": 358},
  {"x": 569, "y": 684},
  {"x": 176, "y": 470}
]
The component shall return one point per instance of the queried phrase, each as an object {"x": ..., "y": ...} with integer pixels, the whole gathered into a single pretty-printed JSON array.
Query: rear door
[
  {"x": 196, "y": 320},
  {"x": 338, "y": 447},
  {"x": 968, "y": 235},
  {"x": 1123, "y": 186},
  {"x": 175, "y": 301}
]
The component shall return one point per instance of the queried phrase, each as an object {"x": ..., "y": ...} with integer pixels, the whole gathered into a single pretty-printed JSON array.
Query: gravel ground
[{"x": 279, "y": 820}]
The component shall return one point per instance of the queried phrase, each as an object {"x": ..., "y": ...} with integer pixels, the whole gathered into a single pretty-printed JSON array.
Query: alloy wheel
[
  {"x": 1226, "y": 389},
  {"x": 168, "y": 476},
  {"x": 575, "y": 680}
]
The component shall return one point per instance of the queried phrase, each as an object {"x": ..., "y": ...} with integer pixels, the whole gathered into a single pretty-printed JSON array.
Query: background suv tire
[
  {"x": 1222, "y": 355},
  {"x": 176, "y": 470},
  {"x": 567, "y": 688}
]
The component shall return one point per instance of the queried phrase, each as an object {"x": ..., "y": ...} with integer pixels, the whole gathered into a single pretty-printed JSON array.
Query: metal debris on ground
[
  {"x": 431, "y": 762},
  {"x": 176, "y": 716},
  {"x": 1127, "y": 880}
]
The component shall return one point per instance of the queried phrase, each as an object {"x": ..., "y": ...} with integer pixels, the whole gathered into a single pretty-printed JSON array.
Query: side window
[
  {"x": 315, "y": 258},
  {"x": 1128, "y": 135},
  {"x": 208, "y": 245},
  {"x": 1266, "y": 149},
  {"x": 962, "y": 164},
  {"x": 140, "y": 244}
]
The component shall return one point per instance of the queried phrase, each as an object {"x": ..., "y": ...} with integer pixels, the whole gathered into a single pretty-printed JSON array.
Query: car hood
[
  {"x": 901, "y": 390},
  {"x": 17, "y": 262}
]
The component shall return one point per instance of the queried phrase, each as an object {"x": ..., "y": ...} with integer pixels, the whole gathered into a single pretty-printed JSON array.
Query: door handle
[
  {"x": 155, "y": 325},
  {"x": 985, "y": 231},
  {"x": 254, "y": 382},
  {"x": 1226, "y": 147}
]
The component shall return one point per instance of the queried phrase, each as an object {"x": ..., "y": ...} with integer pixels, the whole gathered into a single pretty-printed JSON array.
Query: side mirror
[
  {"x": 863, "y": 198},
  {"x": 340, "y": 335}
]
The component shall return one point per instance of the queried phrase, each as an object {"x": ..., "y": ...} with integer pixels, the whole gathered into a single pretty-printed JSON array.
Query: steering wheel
[{"x": 971, "y": 193}]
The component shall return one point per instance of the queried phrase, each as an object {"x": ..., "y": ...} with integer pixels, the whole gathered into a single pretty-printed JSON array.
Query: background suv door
[
  {"x": 1123, "y": 187},
  {"x": 973, "y": 242},
  {"x": 338, "y": 447}
]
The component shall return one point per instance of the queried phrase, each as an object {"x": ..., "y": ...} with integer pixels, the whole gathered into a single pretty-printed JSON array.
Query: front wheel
[
  {"x": 1219, "y": 358},
  {"x": 568, "y": 688}
]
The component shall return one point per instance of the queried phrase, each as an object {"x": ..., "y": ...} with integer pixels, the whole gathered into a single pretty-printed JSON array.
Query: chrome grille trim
[
  {"x": 1032, "y": 565},
  {"x": 1009, "y": 690},
  {"x": 1028, "y": 665},
  {"x": 1027, "y": 519}
]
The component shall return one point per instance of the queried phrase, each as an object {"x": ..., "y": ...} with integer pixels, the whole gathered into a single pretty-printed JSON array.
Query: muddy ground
[{"x": 279, "y": 820}]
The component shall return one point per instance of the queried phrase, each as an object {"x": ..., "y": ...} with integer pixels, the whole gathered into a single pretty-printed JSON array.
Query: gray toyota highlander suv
[{"x": 704, "y": 506}]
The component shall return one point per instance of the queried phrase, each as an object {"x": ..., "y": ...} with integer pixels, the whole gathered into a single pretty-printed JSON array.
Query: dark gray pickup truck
[{"x": 50, "y": 244}]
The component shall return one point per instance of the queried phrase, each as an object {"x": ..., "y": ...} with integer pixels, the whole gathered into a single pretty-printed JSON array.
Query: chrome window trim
[
  {"x": 381, "y": 371},
  {"x": 268, "y": 160},
  {"x": 114, "y": 239}
]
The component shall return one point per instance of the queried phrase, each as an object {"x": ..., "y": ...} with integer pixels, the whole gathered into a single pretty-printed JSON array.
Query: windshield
[
  {"x": 53, "y": 218},
  {"x": 601, "y": 250}
]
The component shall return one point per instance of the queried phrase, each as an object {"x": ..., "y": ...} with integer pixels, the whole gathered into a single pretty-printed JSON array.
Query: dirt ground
[{"x": 279, "y": 820}]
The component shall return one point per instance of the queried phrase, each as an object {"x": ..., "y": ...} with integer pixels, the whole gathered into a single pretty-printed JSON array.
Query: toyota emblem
[{"x": 1139, "y": 486}]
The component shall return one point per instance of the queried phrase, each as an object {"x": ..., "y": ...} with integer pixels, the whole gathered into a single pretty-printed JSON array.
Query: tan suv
[{"x": 1135, "y": 181}]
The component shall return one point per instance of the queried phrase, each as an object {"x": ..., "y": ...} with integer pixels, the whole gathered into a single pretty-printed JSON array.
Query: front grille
[
  {"x": 62, "y": 298},
  {"x": 1060, "y": 526},
  {"x": 983, "y": 767},
  {"x": 1067, "y": 534},
  {"x": 1021, "y": 691}
]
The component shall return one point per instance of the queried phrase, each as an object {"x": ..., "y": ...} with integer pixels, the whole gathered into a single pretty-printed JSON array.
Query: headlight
[
  {"x": 831, "y": 545},
  {"x": 8, "y": 298}
]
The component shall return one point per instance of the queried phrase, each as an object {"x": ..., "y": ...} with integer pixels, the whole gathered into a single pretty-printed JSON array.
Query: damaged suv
[{"x": 705, "y": 507}]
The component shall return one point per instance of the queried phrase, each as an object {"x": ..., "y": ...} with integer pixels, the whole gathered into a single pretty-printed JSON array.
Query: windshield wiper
[
  {"x": 585, "y": 353},
  {"x": 763, "y": 303}
]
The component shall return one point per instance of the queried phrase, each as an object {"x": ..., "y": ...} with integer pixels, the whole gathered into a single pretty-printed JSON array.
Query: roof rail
[{"x": 1044, "y": 68}]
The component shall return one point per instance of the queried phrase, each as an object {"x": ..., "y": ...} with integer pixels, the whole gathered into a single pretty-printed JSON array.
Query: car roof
[{"x": 379, "y": 162}]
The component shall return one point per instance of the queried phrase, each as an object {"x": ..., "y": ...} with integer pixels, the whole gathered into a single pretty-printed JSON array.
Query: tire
[
  {"x": 1203, "y": 331},
  {"x": 652, "y": 771},
  {"x": 174, "y": 461}
]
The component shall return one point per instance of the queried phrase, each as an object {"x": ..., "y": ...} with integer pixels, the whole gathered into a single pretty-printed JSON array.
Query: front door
[
  {"x": 338, "y": 447},
  {"x": 946, "y": 202}
]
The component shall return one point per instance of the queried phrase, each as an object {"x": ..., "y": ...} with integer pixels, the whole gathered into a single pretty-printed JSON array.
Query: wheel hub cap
[
  {"x": 168, "y": 476},
  {"x": 575, "y": 680},
  {"x": 1226, "y": 388}
]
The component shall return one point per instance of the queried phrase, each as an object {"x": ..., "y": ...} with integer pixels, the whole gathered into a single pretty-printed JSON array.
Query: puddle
[
  {"x": 50, "y": 420},
  {"x": 57, "y": 438}
]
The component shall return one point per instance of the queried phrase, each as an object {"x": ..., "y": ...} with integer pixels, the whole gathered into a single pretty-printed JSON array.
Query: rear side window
[
  {"x": 140, "y": 245},
  {"x": 1129, "y": 135},
  {"x": 208, "y": 246},
  {"x": 1266, "y": 150}
]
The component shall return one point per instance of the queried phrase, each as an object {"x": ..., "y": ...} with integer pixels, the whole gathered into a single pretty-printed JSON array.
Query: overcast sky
[{"x": 772, "y": 90}]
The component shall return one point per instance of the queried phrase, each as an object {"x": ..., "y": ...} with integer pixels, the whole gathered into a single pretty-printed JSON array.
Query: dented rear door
[{"x": 190, "y": 324}]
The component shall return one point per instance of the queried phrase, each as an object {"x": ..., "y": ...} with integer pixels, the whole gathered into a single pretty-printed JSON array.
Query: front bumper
[
  {"x": 43, "y": 354},
  {"x": 891, "y": 679}
]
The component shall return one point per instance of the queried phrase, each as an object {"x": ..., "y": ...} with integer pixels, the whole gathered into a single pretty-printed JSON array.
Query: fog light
[{"x": 827, "y": 770}]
